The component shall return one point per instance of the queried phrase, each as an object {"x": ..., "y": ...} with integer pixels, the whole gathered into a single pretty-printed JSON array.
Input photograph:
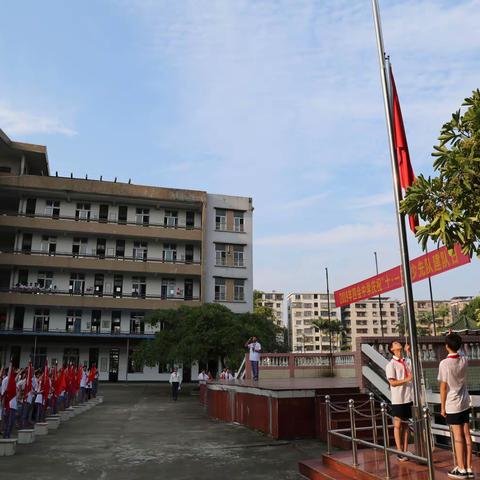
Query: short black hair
[
  {"x": 453, "y": 341},
  {"x": 390, "y": 345}
]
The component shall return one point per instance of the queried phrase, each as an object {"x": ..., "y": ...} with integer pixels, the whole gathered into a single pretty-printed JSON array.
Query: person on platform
[
  {"x": 203, "y": 377},
  {"x": 83, "y": 384},
  {"x": 455, "y": 404},
  {"x": 255, "y": 348},
  {"x": 399, "y": 376},
  {"x": 38, "y": 397},
  {"x": 175, "y": 382}
]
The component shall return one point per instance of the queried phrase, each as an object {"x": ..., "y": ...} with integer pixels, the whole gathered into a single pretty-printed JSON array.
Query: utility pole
[{"x": 379, "y": 298}]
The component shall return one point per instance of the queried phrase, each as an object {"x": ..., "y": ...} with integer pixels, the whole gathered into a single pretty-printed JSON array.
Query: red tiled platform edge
[
  {"x": 338, "y": 466},
  {"x": 283, "y": 409}
]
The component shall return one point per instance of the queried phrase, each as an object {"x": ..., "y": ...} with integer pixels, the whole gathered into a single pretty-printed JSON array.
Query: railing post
[
  {"x": 428, "y": 443},
  {"x": 374, "y": 420},
  {"x": 351, "y": 406},
  {"x": 385, "y": 440},
  {"x": 328, "y": 413}
]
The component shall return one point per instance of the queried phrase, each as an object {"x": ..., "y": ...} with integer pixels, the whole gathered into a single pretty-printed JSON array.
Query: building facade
[
  {"x": 273, "y": 300},
  {"x": 370, "y": 318},
  {"x": 302, "y": 309},
  {"x": 83, "y": 262}
]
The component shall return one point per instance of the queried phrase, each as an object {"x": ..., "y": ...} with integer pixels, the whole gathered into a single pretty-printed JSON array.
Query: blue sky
[{"x": 277, "y": 100}]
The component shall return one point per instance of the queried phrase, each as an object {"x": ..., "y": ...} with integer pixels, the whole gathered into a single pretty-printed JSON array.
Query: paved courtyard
[{"x": 139, "y": 433}]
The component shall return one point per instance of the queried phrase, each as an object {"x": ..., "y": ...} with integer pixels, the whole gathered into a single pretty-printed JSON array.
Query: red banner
[{"x": 421, "y": 268}]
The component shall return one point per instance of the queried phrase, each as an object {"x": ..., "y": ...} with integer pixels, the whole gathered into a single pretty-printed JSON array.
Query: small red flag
[
  {"x": 45, "y": 383},
  {"x": 61, "y": 384},
  {"x": 11, "y": 390},
  {"x": 91, "y": 374},
  {"x": 28, "y": 381},
  {"x": 407, "y": 177}
]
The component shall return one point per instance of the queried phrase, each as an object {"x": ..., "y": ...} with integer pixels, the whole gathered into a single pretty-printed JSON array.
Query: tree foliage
[
  {"x": 472, "y": 311},
  {"x": 449, "y": 203},
  {"x": 204, "y": 333}
]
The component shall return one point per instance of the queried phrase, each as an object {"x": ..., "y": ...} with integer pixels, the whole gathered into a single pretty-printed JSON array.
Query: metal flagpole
[
  {"x": 329, "y": 322},
  {"x": 407, "y": 283},
  {"x": 432, "y": 304},
  {"x": 379, "y": 298}
]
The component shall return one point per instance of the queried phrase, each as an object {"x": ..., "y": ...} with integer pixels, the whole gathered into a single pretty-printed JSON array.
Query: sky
[{"x": 272, "y": 99}]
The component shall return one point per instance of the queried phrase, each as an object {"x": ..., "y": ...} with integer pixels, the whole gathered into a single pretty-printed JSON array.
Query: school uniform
[
  {"x": 11, "y": 416},
  {"x": 453, "y": 371},
  {"x": 402, "y": 395},
  {"x": 254, "y": 357},
  {"x": 175, "y": 383},
  {"x": 83, "y": 386}
]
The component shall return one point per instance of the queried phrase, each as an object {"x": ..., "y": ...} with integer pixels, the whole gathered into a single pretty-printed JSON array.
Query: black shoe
[
  {"x": 470, "y": 474},
  {"x": 402, "y": 458},
  {"x": 456, "y": 473}
]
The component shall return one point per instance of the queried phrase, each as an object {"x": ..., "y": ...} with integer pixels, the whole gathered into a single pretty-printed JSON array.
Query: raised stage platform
[
  {"x": 282, "y": 408},
  {"x": 338, "y": 466}
]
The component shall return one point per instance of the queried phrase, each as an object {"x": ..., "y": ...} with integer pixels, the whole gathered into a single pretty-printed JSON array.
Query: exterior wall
[
  {"x": 229, "y": 237},
  {"x": 275, "y": 301},
  {"x": 303, "y": 308}
]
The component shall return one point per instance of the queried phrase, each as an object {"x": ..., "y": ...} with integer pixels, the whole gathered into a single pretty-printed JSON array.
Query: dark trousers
[
  {"x": 254, "y": 369},
  {"x": 11, "y": 416},
  {"x": 175, "y": 386},
  {"x": 38, "y": 412},
  {"x": 25, "y": 418}
]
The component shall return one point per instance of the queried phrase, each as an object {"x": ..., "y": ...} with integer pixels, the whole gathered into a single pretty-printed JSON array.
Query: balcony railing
[
  {"x": 76, "y": 332},
  {"x": 167, "y": 225},
  {"x": 104, "y": 256}
]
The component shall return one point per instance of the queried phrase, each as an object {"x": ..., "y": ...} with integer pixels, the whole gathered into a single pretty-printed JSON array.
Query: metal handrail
[{"x": 341, "y": 433}]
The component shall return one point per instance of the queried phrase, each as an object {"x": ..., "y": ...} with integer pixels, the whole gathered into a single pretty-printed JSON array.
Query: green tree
[
  {"x": 442, "y": 314},
  {"x": 204, "y": 333},
  {"x": 335, "y": 330},
  {"x": 472, "y": 310},
  {"x": 449, "y": 203}
]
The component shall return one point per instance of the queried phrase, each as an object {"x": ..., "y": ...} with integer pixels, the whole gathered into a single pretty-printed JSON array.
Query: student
[
  {"x": 175, "y": 382},
  {"x": 228, "y": 375},
  {"x": 202, "y": 377},
  {"x": 83, "y": 385},
  {"x": 399, "y": 377},
  {"x": 255, "y": 348},
  {"x": 455, "y": 404}
]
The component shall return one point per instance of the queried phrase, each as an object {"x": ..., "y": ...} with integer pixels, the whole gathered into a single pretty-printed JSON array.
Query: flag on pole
[
  {"x": 45, "y": 384},
  {"x": 407, "y": 177},
  {"x": 11, "y": 390},
  {"x": 28, "y": 381},
  {"x": 92, "y": 373},
  {"x": 61, "y": 384}
]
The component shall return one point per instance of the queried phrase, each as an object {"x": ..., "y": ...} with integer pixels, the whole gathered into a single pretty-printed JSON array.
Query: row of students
[{"x": 454, "y": 397}]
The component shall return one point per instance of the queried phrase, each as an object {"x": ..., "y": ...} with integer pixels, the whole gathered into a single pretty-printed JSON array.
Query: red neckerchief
[
  {"x": 402, "y": 362},
  {"x": 453, "y": 356}
]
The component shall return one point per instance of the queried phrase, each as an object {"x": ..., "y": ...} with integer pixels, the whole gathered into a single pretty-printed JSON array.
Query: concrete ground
[{"x": 139, "y": 433}]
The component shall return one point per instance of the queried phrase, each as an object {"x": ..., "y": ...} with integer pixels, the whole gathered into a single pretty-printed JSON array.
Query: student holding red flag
[
  {"x": 9, "y": 396},
  {"x": 27, "y": 395}
]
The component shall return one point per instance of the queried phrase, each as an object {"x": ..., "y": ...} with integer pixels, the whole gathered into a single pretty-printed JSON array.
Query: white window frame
[
  {"x": 169, "y": 252},
  {"x": 220, "y": 220},
  {"x": 220, "y": 255},
  {"x": 238, "y": 222},
  {"x": 171, "y": 218},
  {"x": 220, "y": 290},
  {"x": 238, "y": 256},
  {"x": 84, "y": 213},
  {"x": 45, "y": 279},
  {"x": 239, "y": 290}
]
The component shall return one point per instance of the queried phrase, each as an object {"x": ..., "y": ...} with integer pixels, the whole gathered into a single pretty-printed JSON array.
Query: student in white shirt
[
  {"x": 255, "y": 348},
  {"x": 202, "y": 377},
  {"x": 228, "y": 375},
  {"x": 399, "y": 376},
  {"x": 455, "y": 404},
  {"x": 175, "y": 382},
  {"x": 83, "y": 385}
]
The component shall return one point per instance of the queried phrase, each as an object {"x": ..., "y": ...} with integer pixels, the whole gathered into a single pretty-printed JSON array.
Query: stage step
[{"x": 316, "y": 470}]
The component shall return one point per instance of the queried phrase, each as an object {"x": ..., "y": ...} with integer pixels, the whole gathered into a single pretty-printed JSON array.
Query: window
[
  {"x": 79, "y": 246},
  {"x": 238, "y": 256},
  {"x": 169, "y": 252},
  {"x": 45, "y": 279},
  {"x": 116, "y": 321},
  {"x": 307, "y": 313},
  {"x": 238, "y": 222},
  {"x": 52, "y": 208},
  {"x": 122, "y": 214},
  {"x": 4, "y": 169},
  {"x": 71, "y": 356},
  {"x": 220, "y": 290},
  {"x": 307, "y": 296},
  {"x": 298, "y": 313},
  {"x": 137, "y": 322},
  {"x": 117, "y": 285},
  {"x": 189, "y": 254},
  {"x": 220, "y": 219},
  {"x": 298, "y": 322},
  {"x": 83, "y": 211},
  {"x": 140, "y": 250},
  {"x": 48, "y": 244},
  {"x": 41, "y": 319},
  {"x": 220, "y": 254},
  {"x": 279, "y": 305},
  {"x": 171, "y": 218},
  {"x": 142, "y": 216},
  {"x": 190, "y": 219},
  {"x": 139, "y": 287},
  {"x": 168, "y": 287},
  {"x": 134, "y": 365},
  {"x": 239, "y": 290},
  {"x": 26, "y": 243},
  {"x": 77, "y": 283},
  {"x": 39, "y": 357},
  {"x": 73, "y": 321},
  {"x": 164, "y": 368},
  {"x": 96, "y": 320},
  {"x": 120, "y": 248},
  {"x": 362, "y": 330},
  {"x": 307, "y": 305}
]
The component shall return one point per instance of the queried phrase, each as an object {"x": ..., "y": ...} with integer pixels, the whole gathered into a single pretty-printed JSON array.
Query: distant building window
[
  {"x": 52, "y": 208},
  {"x": 5, "y": 169},
  {"x": 220, "y": 290},
  {"x": 220, "y": 254},
  {"x": 239, "y": 290},
  {"x": 238, "y": 222},
  {"x": 171, "y": 218},
  {"x": 220, "y": 219},
  {"x": 169, "y": 252},
  {"x": 238, "y": 256},
  {"x": 142, "y": 216}
]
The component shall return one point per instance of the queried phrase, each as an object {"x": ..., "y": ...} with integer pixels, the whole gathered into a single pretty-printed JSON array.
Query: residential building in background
[
  {"x": 273, "y": 300},
  {"x": 302, "y": 309},
  {"x": 370, "y": 319},
  {"x": 457, "y": 304},
  {"x": 83, "y": 262}
]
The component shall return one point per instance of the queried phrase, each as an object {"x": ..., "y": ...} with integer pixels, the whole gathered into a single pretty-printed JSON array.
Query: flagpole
[
  {"x": 379, "y": 298},
  {"x": 402, "y": 233},
  {"x": 329, "y": 322}
]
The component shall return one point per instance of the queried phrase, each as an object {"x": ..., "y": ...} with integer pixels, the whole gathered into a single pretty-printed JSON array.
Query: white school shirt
[
  {"x": 395, "y": 370},
  {"x": 84, "y": 380},
  {"x": 255, "y": 349},
  {"x": 453, "y": 370},
  {"x": 202, "y": 376},
  {"x": 4, "y": 385},
  {"x": 174, "y": 378}
]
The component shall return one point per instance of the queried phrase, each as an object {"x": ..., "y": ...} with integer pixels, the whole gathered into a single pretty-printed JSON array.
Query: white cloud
[
  {"x": 370, "y": 201},
  {"x": 306, "y": 201},
  {"x": 342, "y": 234},
  {"x": 15, "y": 122}
]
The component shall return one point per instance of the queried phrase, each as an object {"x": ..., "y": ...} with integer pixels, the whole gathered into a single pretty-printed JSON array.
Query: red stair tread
[{"x": 316, "y": 470}]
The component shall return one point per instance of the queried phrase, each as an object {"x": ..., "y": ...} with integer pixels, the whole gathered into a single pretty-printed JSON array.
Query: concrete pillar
[
  {"x": 26, "y": 436},
  {"x": 41, "y": 429},
  {"x": 53, "y": 422},
  {"x": 7, "y": 447}
]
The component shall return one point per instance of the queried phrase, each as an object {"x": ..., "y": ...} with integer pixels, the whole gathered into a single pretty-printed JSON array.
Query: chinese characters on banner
[{"x": 421, "y": 268}]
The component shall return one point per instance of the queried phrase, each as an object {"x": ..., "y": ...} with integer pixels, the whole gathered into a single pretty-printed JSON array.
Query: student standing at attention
[
  {"x": 455, "y": 404},
  {"x": 175, "y": 382},
  {"x": 399, "y": 377},
  {"x": 255, "y": 348}
]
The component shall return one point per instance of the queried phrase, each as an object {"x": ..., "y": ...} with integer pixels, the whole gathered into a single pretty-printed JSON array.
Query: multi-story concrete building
[
  {"x": 367, "y": 318},
  {"x": 273, "y": 300},
  {"x": 82, "y": 262},
  {"x": 302, "y": 309},
  {"x": 457, "y": 304},
  {"x": 423, "y": 315}
]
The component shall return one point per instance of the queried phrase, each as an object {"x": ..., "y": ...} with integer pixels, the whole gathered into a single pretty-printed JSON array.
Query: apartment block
[
  {"x": 302, "y": 309},
  {"x": 273, "y": 300},
  {"x": 83, "y": 262},
  {"x": 370, "y": 318}
]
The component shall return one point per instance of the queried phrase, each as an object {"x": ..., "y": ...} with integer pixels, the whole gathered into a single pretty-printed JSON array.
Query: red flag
[
  {"x": 28, "y": 381},
  {"x": 11, "y": 390},
  {"x": 407, "y": 177},
  {"x": 45, "y": 383},
  {"x": 54, "y": 381},
  {"x": 91, "y": 375},
  {"x": 61, "y": 384},
  {"x": 79, "y": 378}
]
